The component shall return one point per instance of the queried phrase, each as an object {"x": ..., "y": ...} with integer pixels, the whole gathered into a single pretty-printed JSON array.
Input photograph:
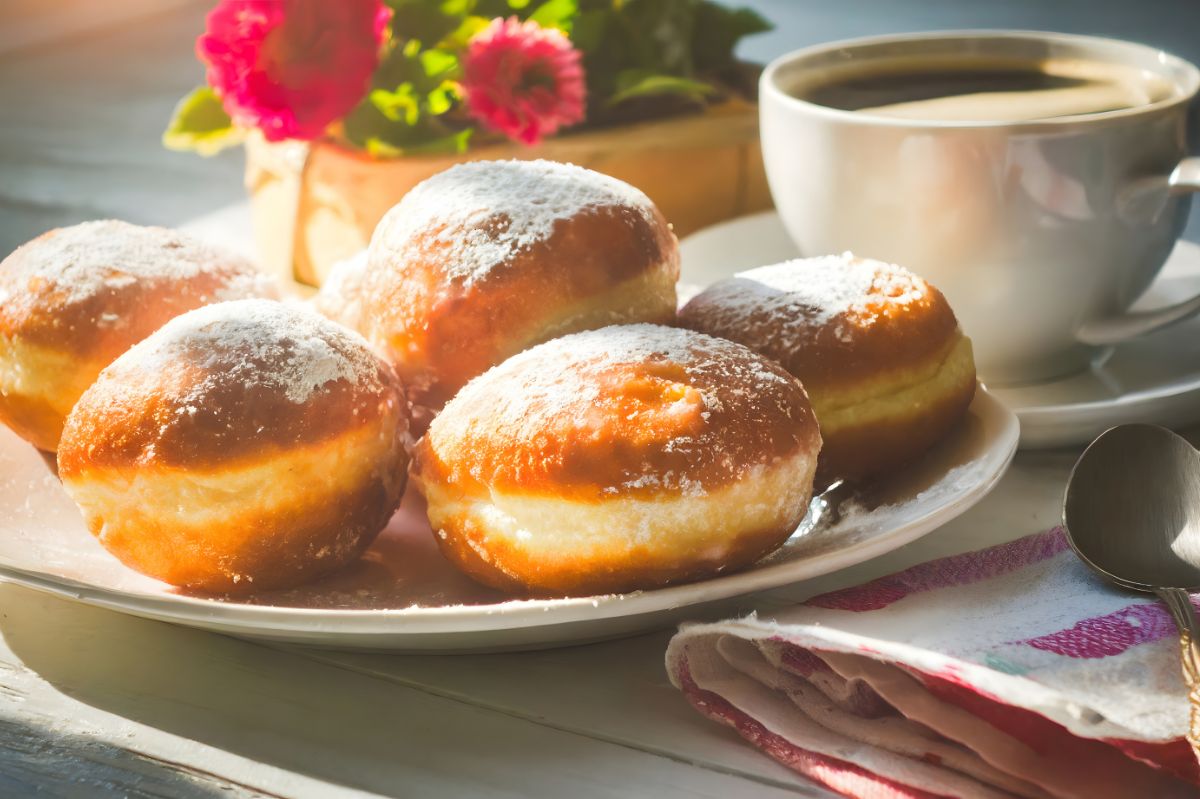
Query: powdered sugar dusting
[
  {"x": 479, "y": 214},
  {"x": 83, "y": 261},
  {"x": 558, "y": 375},
  {"x": 259, "y": 341},
  {"x": 708, "y": 401},
  {"x": 803, "y": 295},
  {"x": 340, "y": 297}
]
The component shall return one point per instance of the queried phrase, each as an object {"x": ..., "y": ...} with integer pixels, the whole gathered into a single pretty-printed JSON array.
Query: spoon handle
[{"x": 1180, "y": 605}]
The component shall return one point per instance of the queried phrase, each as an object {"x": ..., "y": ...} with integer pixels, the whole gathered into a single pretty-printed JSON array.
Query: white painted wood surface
[{"x": 93, "y": 703}]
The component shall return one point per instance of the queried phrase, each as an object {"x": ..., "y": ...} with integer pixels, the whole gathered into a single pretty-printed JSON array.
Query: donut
[
  {"x": 879, "y": 350},
  {"x": 617, "y": 459},
  {"x": 340, "y": 296},
  {"x": 490, "y": 257},
  {"x": 244, "y": 446},
  {"x": 75, "y": 298}
]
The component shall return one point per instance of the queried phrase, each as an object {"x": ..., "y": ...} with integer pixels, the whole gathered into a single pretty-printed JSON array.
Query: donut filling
[{"x": 543, "y": 544}]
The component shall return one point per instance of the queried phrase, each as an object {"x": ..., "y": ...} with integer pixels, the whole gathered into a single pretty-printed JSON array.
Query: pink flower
[
  {"x": 290, "y": 67},
  {"x": 523, "y": 80}
]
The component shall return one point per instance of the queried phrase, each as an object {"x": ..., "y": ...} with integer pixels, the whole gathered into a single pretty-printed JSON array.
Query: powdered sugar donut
[
  {"x": 246, "y": 445},
  {"x": 340, "y": 296},
  {"x": 878, "y": 349},
  {"x": 75, "y": 298},
  {"x": 490, "y": 257},
  {"x": 621, "y": 458}
]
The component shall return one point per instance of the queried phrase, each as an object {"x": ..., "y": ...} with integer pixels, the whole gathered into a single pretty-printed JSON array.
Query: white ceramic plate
[
  {"x": 1154, "y": 379},
  {"x": 402, "y": 596}
]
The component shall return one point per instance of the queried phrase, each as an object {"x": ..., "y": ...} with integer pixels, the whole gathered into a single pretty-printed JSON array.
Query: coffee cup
[{"x": 1043, "y": 204}]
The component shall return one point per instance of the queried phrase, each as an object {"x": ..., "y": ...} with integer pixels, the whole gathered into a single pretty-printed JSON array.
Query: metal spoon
[{"x": 1132, "y": 513}]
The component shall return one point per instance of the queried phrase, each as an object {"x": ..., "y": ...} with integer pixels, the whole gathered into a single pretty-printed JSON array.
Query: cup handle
[
  {"x": 1114, "y": 330},
  {"x": 1180, "y": 605}
]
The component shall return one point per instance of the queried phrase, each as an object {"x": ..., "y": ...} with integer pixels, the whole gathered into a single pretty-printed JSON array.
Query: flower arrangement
[{"x": 400, "y": 77}]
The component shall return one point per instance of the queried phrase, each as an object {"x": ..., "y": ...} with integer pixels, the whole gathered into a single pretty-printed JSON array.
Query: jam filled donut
[
  {"x": 75, "y": 298},
  {"x": 244, "y": 446},
  {"x": 616, "y": 459},
  {"x": 490, "y": 257},
  {"x": 878, "y": 349}
]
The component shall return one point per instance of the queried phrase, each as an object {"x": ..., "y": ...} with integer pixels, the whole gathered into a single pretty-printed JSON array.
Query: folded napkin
[{"x": 1012, "y": 671}]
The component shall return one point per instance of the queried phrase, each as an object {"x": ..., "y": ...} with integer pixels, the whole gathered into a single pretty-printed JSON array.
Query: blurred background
[{"x": 86, "y": 87}]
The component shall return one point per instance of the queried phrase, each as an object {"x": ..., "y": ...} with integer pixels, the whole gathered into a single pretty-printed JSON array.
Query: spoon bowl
[
  {"x": 1132, "y": 508},
  {"x": 1132, "y": 513}
]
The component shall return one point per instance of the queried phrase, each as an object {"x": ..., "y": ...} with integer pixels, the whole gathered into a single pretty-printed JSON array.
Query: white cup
[{"x": 1041, "y": 233}]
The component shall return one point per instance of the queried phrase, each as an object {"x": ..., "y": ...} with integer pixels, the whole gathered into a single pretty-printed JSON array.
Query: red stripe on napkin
[
  {"x": 939, "y": 697},
  {"x": 1108, "y": 635},
  {"x": 964, "y": 569}
]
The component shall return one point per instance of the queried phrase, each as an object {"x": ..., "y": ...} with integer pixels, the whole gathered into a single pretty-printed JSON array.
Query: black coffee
[{"x": 983, "y": 90}]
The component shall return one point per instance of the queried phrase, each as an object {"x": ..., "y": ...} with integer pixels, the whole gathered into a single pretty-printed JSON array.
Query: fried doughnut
[
  {"x": 340, "y": 296},
  {"x": 616, "y": 459},
  {"x": 878, "y": 349},
  {"x": 75, "y": 298},
  {"x": 490, "y": 257},
  {"x": 244, "y": 446}
]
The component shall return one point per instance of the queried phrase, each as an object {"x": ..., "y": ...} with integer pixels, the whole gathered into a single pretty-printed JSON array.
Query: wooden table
[{"x": 93, "y": 703}]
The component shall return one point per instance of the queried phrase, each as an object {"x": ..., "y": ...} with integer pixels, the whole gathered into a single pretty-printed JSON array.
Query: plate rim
[{"x": 518, "y": 614}]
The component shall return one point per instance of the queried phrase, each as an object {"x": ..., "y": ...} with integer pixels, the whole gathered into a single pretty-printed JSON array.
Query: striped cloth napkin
[{"x": 1008, "y": 672}]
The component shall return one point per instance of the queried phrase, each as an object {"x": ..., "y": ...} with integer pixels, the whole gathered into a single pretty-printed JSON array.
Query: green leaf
[
  {"x": 425, "y": 20},
  {"x": 589, "y": 28},
  {"x": 456, "y": 142},
  {"x": 451, "y": 143},
  {"x": 438, "y": 64},
  {"x": 443, "y": 98},
  {"x": 558, "y": 14},
  {"x": 718, "y": 31},
  {"x": 660, "y": 34},
  {"x": 199, "y": 123},
  {"x": 457, "y": 39},
  {"x": 389, "y": 124},
  {"x": 640, "y": 83},
  {"x": 400, "y": 105},
  {"x": 425, "y": 68}
]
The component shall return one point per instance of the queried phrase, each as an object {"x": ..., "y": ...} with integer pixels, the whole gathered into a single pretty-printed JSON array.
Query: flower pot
[{"x": 317, "y": 203}]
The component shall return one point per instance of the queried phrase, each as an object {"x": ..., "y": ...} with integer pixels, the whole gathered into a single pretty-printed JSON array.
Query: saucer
[{"x": 1154, "y": 379}]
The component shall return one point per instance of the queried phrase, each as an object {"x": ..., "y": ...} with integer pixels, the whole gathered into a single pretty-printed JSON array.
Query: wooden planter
[{"x": 315, "y": 204}]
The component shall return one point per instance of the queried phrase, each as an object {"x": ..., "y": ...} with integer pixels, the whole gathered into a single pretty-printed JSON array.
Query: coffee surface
[{"x": 976, "y": 90}]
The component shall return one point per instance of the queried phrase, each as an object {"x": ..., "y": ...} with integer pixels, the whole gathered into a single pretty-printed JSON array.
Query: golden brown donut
[
  {"x": 75, "y": 298},
  {"x": 490, "y": 257},
  {"x": 244, "y": 446},
  {"x": 340, "y": 296},
  {"x": 878, "y": 349},
  {"x": 616, "y": 459}
]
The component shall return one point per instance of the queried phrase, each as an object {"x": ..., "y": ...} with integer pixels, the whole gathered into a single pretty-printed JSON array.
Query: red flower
[
  {"x": 523, "y": 80},
  {"x": 290, "y": 67}
]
